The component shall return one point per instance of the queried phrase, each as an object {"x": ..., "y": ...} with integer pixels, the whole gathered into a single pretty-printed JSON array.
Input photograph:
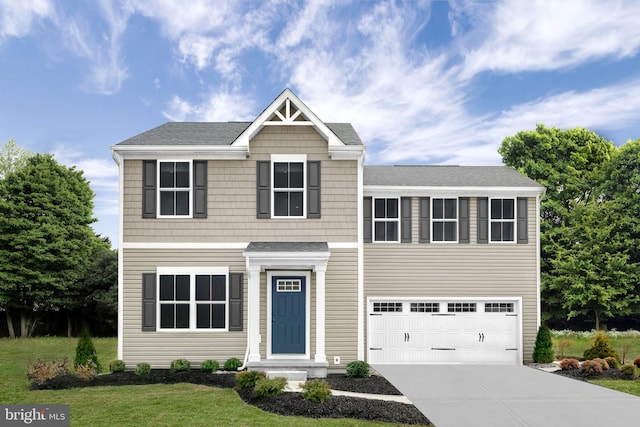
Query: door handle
[{"x": 480, "y": 337}]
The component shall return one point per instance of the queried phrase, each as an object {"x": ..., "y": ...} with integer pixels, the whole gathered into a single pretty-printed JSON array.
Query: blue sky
[{"x": 422, "y": 82}]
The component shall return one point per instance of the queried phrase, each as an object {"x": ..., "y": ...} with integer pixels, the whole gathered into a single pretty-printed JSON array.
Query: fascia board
[
  {"x": 182, "y": 151},
  {"x": 434, "y": 191}
]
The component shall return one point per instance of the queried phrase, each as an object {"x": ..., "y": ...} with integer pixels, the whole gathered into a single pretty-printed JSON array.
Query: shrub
[
  {"x": 563, "y": 346},
  {"x": 613, "y": 362},
  {"x": 568, "y": 364},
  {"x": 603, "y": 363},
  {"x": 629, "y": 369},
  {"x": 358, "y": 369},
  {"x": 232, "y": 364},
  {"x": 87, "y": 371},
  {"x": 248, "y": 379},
  {"x": 86, "y": 352},
  {"x": 266, "y": 387},
  {"x": 543, "y": 349},
  {"x": 117, "y": 366},
  {"x": 43, "y": 370},
  {"x": 180, "y": 365},
  {"x": 209, "y": 366},
  {"x": 143, "y": 369},
  {"x": 316, "y": 391},
  {"x": 637, "y": 362},
  {"x": 591, "y": 367},
  {"x": 600, "y": 348}
]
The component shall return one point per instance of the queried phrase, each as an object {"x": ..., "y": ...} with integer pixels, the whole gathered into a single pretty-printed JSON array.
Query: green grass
[
  {"x": 573, "y": 344},
  {"x": 152, "y": 405},
  {"x": 631, "y": 387}
]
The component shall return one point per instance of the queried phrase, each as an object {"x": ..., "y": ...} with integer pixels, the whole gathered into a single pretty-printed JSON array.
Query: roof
[
  {"x": 446, "y": 176},
  {"x": 287, "y": 247},
  {"x": 217, "y": 133}
]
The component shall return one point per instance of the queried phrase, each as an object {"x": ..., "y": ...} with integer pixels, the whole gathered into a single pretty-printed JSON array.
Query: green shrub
[
  {"x": 629, "y": 369},
  {"x": 117, "y": 366},
  {"x": 248, "y": 379},
  {"x": 568, "y": 364},
  {"x": 180, "y": 365},
  {"x": 87, "y": 371},
  {"x": 316, "y": 391},
  {"x": 591, "y": 367},
  {"x": 603, "y": 363},
  {"x": 143, "y": 369},
  {"x": 358, "y": 369},
  {"x": 600, "y": 348},
  {"x": 86, "y": 352},
  {"x": 267, "y": 387},
  {"x": 209, "y": 366},
  {"x": 613, "y": 362},
  {"x": 232, "y": 364},
  {"x": 543, "y": 349}
]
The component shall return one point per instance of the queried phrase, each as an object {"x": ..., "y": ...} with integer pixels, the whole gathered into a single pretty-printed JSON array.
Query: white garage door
[{"x": 443, "y": 331}]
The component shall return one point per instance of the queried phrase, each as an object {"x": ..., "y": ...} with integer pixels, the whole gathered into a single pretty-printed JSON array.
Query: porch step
[{"x": 289, "y": 375}]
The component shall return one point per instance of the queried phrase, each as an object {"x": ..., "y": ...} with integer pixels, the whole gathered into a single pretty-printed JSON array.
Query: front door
[{"x": 288, "y": 315}]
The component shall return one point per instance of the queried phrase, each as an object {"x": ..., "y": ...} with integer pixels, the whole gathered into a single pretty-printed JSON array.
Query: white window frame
[
  {"x": 502, "y": 220},
  {"x": 444, "y": 220},
  {"x": 160, "y": 190},
  {"x": 375, "y": 220},
  {"x": 192, "y": 272},
  {"x": 289, "y": 158}
]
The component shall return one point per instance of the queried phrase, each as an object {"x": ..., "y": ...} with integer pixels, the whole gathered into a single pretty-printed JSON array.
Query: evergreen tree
[
  {"x": 86, "y": 352},
  {"x": 543, "y": 349}
]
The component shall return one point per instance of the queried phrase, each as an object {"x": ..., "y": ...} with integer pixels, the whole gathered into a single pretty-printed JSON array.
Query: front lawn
[
  {"x": 631, "y": 387},
  {"x": 152, "y": 405}
]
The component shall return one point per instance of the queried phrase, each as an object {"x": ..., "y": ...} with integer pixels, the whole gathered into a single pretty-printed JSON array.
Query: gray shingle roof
[
  {"x": 217, "y": 133},
  {"x": 287, "y": 247},
  {"x": 446, "y": 176}
]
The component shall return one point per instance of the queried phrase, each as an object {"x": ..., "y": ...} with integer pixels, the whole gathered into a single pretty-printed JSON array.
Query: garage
[{"x": 453, "y": 330}]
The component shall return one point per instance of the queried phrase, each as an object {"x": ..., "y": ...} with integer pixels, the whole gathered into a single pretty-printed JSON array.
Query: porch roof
[{"x": 287, "y": 247}]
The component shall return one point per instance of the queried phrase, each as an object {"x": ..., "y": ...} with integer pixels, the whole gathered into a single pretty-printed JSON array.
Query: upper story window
[
  {"x": 386, "y": 220},
  {"x": 444, "y": 220},
  {"x": 174, "y": 189},
  {"x": 502, "y": 217},
  {"x": 288, "y": 186}
]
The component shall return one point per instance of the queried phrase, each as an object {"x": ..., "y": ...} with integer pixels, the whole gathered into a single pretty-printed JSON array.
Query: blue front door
[{"x": 288, "y": 315}]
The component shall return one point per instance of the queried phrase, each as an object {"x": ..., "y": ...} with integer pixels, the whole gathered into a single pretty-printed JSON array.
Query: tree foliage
[
  {"x": 12, "y": 157},
  {"x": 543, "y": 349}
]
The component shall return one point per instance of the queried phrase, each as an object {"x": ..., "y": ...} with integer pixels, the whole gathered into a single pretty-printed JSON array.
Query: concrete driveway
[{"x": 509, "y": 396}]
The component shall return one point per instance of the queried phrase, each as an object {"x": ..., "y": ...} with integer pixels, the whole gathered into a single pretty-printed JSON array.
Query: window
[
  {"x": 288, "y": 189},
  {"x": 192, "y": 300},
  {"x": 498, "y": 307},
  {"x": 461, "y": 307},
  {"x": 425, "y": 307},
  {"x": 387, "y": 307},
  {"x": 175, "y": 188},
  {"x": 289, "y": 285},
  {"x": 445, "y": 220},
  {"x": 502, "y": 220},
  {"x": 386, "y": 220}
]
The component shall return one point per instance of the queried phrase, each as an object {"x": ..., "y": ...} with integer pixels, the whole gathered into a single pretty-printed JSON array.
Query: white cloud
[
  {"x": 17, "y": 17},
  {"x": 217, "y": 106}
]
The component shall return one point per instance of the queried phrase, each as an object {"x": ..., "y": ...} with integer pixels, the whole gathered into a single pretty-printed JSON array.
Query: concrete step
[{"x": 289, "y": 375}]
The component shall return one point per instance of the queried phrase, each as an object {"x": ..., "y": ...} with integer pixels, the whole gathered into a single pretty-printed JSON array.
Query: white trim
[
  {"x": 361, "y": 306},
  {"x": 538, "y": 280},
  {"x": 174, "y": 189},
  {"x": 343, "y": 245},
  {"x": 444, "y": 220},
  {"x": 289, "y": 158},
  {"x": 397, "y": 220},
  {"x": 193, "y": 152},
  {"x": 119, "y": 162},
  {"x": 514, "y": 221},
  {"x": 289, "y": 273},
  {"x": 381, "y": 191},
  {"x": 184, "y": 245}
]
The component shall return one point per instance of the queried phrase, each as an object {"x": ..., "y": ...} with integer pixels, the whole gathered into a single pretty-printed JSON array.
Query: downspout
[
  {"x": 246, "y": 353},
  {"x": 117, "y": 157},
  {"x": 360, "y": 222}
]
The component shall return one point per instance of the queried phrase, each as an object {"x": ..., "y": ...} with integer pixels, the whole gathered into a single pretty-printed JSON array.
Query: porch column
[
  {"x": 320, "y": 310},
  {"x": 253, "y": 313}
]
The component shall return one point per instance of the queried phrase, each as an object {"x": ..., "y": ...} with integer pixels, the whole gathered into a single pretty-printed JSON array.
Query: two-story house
[{"x": 270, "y": 241}]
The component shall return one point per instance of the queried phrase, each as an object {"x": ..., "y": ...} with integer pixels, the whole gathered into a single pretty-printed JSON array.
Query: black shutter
[
  {"x": 483, "y": 220},
  {"x": 405, "y": 214},
  {"x": 367, "y": 223},
  {"x": 263, "y": 189},
  {"x": 425, "y": 220},
  {"x": 149, "y": 189},
  {"x": 523, "y": 231},
  {"x": 199, "y": 188},
  {"x": 148, "y": 302},
  {"x": 235, "y": 301},
  {"x": 463, "y": 221},
  {"x": 313, "y": 189}
]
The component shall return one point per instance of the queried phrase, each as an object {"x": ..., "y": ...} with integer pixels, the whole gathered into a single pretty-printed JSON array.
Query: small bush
[
  {"x": 232, "y": 364},
  {"x": 563, "y": 346},
  {"x": 543, "y": 349},
  {"x": 143, "y": 369},
  {"x": 117, "y": 366},
  {"x": 267, "y": 387},
  {"x": 86, "y": 352},
  {"x": 591, "y": 367},
  {"x": 209, "y": 366},
  {"x": 87, "y": 371},
  {"x": 603, "y": 363},
  {"x": 248, "y": 379},
  {"x": 629, "y": 369},
  {"x": 180, "y": 365},
  {"x": 358, "y": 369},
  {"x": 613, "y": 362},
  {"x": 637, "y": 362},
  {"x": 316, "y": 391},
  {"x": 569, "y": 364},
  {"x": 43, "y": 370},
  {"x": 600, "y": 348}
]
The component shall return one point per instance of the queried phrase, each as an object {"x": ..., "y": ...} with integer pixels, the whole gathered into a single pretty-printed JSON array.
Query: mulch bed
[
  {"x": 609, "y": 374},
  {"x": 284, "y": 404}
]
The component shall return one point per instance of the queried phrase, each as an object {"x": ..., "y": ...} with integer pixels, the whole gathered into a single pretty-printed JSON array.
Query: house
[{"x": 270, "y": 241}]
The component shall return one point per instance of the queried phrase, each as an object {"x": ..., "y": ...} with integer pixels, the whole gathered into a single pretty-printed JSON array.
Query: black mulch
[
  {"x": 284, "y": 404},
  {"x": 609, "y": 374}
]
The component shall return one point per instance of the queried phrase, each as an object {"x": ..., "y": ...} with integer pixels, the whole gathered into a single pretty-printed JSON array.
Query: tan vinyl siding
[{"x": 231, "y": 194}]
